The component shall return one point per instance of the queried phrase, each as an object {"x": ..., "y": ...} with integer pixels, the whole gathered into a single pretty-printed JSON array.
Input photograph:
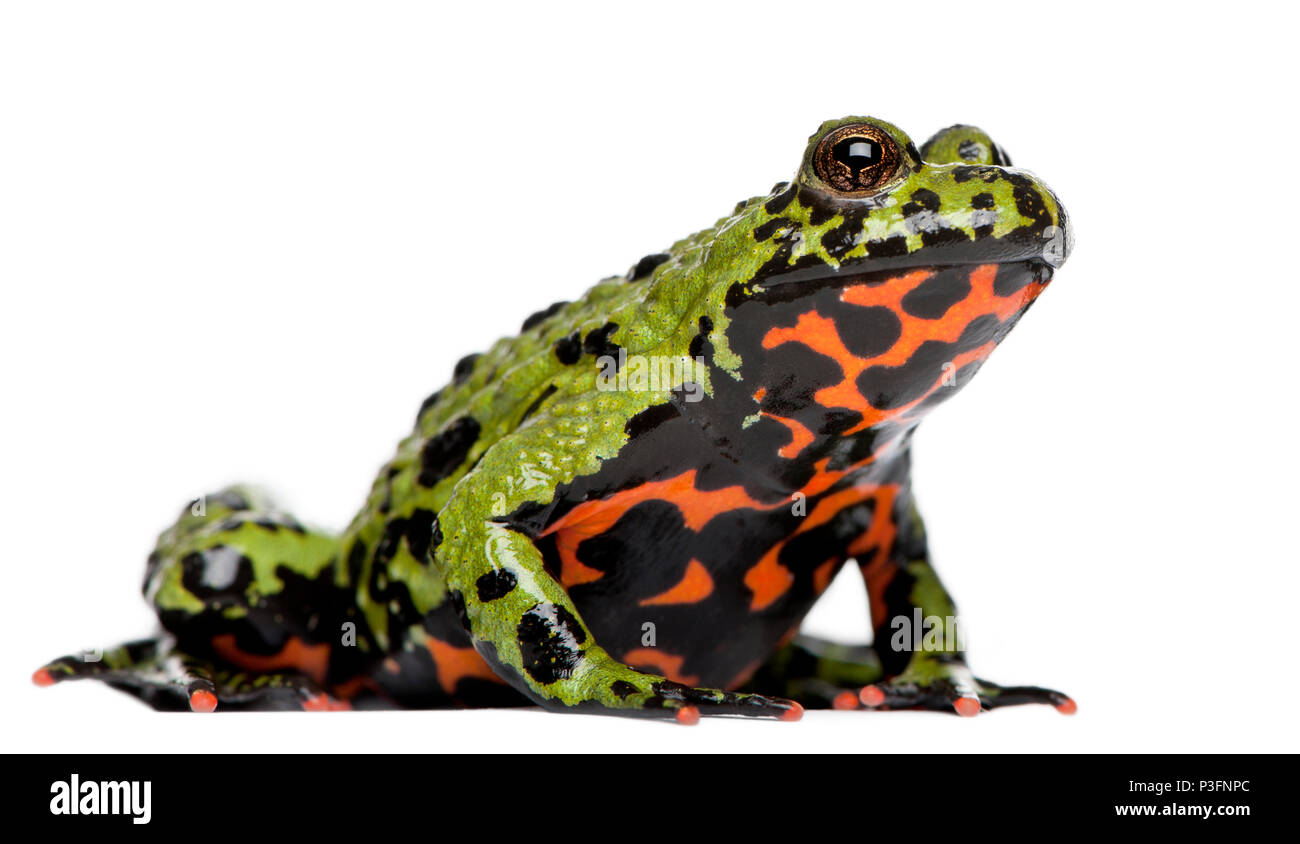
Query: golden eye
[{"x": 856, "y": 159}]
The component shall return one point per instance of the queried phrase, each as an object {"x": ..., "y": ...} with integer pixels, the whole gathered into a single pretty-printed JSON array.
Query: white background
[{"x": 242, "y": 241}]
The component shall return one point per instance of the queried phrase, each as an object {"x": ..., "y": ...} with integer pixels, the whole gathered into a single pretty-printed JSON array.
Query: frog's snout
[{"x": 1058, "y": 238}]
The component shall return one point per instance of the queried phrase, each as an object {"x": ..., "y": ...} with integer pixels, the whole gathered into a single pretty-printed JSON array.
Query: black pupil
[{"x": 856, "y": 153}]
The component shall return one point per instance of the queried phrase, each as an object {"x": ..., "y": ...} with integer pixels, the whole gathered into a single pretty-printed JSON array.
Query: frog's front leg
[
  {"x": 524, "y": 624},
  {"x": 917, "y": 636}
]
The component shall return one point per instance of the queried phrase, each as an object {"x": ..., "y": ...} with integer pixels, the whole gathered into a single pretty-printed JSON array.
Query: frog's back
[{"x": 545, "y": 377}]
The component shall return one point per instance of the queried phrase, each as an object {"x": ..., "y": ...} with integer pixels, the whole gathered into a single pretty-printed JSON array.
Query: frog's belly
[{"x": 701, "y": 595}]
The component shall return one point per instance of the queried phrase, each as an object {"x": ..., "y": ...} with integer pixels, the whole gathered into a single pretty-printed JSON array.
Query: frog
[{"x": 631, "y": 506}]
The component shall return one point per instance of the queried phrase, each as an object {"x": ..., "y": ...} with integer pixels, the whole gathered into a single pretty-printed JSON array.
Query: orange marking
[
  {"x": 42, "y": 677},
  {"x": 800, "y": 436},
  {"x": 822, "y": 575},
  {"x": 967, "y": 707},
  {"x": 821, "y": 335},
  {"x": 760, "y": 394},
  {"x": 665, "y": 663},
  {"x": 768, "y": 579},
  {"x": 695, "y": 586},
  {"x": 203, "y": 701},
  {"x": 311, "y": 660},
  {"x": 879, "y": 570},
  {"x": 1067, "y": 707},
  {"x": 871, "y": 696},
  {"x": 794, "y": 713},
  {"x": 592, "y": 518},
  {"x": 454, "y": 664}
]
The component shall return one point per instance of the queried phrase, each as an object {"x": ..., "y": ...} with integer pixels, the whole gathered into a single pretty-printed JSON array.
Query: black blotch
[
  {"x": 195, "y": 564},
  {"x": 696, "y": 347},
  {"x": 537, "y": 402},
  {"x": 867, "y": 332},
  {"x": 894, "y": 246},
  {"x": 542, "y": 316},
  {"x": 778, "y": 203},
  {"x": 650, "y": 418},
  {"x": 463, "y": 368},
  {"x": 419, "y": 534},
  {"x": 944, "y": 236},
  {"x": 568, "y": 350},
  {"x": 1011, "y": 278},
  {"x": 970, "y": 150},
  {"x": 597, "y": 341},
  {"x": 549, "y": 649},
  {"x": 766, "y": 230},
  {"x": 932, "y": 298},
  {"x": 387, "y": 547},
  {"x": 444, "y": 453},
  {"x": 646, "y": 266},
  {"x": 982, "y": 201},
  {"x": 914, "y": 153},
  {"x": 356, "y": 559},
  {"x": 428, "y": 403},
  {"x": 922, "y": 200},
  {"x": 844, "y": 237},
  {"x": 887, "y": 387},
  {"x": 622, "y": 688},
  {"x": 495, "y": 584}
]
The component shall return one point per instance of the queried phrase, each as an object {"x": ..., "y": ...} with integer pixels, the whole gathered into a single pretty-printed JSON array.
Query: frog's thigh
[{"x": 246, "y": 587}]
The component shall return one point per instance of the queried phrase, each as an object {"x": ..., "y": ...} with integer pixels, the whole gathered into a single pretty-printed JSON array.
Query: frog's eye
[{"x": 856, "y": 159}]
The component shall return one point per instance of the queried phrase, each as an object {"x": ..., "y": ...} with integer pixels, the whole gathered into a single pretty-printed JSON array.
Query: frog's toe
[
  {"x": 966, "y": 696},
  {"x": 687, "y": 704},
  {"x": 994, "y": 696}
]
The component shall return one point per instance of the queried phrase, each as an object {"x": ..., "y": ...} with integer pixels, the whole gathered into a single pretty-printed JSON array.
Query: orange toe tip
[
  {"x": 794, "y": 713},
  {"x": 845, "y": 700},
  {"x": 967, "y": 707},
  {"x": 871, "y": 696},
  {"x": 203, "y": 701},
  {"x": 317, "y": 703},
  {"x": 1067, "y": 707},
  {"x": 42, "y": 677},
  {"x": 688, "y": 715}
]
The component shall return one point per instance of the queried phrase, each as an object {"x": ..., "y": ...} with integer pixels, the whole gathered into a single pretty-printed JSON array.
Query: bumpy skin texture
[{"x": 647, "y": 546}]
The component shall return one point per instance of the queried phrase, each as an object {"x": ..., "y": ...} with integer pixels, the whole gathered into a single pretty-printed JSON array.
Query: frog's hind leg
[
  {"x": 168, "y": 679},
  {"x": 253, "y": 616}
]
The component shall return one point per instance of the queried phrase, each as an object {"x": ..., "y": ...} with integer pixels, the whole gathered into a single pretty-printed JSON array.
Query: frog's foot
[
  {"x": 950, "y": 687},
  {"x": 167, "y": 679},
  {"x": 621, "y": 690}
]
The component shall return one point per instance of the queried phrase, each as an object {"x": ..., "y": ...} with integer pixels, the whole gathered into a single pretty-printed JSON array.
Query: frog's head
[
  {"x": 867, "y": 198},
  {"x": 905, "y": 266}
]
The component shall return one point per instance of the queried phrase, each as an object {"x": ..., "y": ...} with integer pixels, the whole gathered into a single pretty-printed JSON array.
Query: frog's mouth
[{"x": 1041, "y": 249}]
